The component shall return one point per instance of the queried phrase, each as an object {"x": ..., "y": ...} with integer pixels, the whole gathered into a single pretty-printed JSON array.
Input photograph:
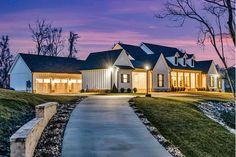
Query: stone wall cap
[
  {"x": 48, "y": 104},
  {"x": 22, "y": 133}
]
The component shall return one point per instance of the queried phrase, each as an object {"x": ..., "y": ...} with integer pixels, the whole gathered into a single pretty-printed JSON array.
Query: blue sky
[{"x": 99, "y": 23}]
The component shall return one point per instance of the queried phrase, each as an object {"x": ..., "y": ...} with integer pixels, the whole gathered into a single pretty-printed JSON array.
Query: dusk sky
[{"x": 100, "y": 24}]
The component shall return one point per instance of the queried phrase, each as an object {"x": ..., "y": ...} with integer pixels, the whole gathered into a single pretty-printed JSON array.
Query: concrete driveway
[{"x": 105, "y": 126}]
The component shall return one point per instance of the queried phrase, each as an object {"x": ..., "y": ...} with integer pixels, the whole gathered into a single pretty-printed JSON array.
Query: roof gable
[
  {"x": 135, "y": 51},
  {"x": 101, "y": 60}
]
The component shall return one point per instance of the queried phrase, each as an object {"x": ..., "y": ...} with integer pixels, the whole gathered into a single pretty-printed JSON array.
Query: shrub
[
  {"x": 82, "y": 91},
  {"x": 135, "y": 90},
  {"x": 129, "y": 90},
  {"x": 114, "y": 89},
  {"x": 122, "y": 90}
]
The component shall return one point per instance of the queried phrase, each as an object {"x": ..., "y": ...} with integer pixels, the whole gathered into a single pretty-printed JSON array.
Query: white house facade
[{"x": 146, "y": 67}]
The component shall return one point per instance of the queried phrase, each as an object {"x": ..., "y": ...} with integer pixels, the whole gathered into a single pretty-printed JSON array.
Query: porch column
[
  {"x": 190, "y": 84},
  {"x": 177, "y": 78},
  {"x": 183, "y": 79}
]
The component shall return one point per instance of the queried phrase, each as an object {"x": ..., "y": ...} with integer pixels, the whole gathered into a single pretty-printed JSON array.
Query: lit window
[
  {"x": 125, "y": 78},
  {"x": 79, "y": 81},
  {"x": 176, "y": 60},
  {"x": 160, "y": 80},
  {"x": 219, "y": 83},
  {"x": 212, "y": 81},
  {"x": 39, "y": 80},
  {"x": 174, "y": 79},
  {"x": 184, "y": 61},
  {"x": 63, "y": 81},
  {"x": 46, "y": 80}
]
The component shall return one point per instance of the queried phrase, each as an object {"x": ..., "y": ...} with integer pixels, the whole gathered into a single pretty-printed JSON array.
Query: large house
[{"x": 146, "y": 67}]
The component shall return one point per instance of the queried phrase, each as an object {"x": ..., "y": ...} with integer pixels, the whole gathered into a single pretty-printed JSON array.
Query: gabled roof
[
  {"x": 166, "y": 51},
  {"x": 38, "y": 63},
  {"x": 135, "y": 51},
  {"x": 204, "y": 66},
  {"x": 101, "y": 60},
  {"x": 149, "y": 60}
]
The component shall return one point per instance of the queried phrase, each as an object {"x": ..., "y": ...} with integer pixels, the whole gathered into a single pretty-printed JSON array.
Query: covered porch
[{"x": 187, "y": 79}]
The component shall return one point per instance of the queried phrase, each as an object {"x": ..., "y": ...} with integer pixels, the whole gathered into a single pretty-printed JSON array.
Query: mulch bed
[{"x": 50, "y": 143}]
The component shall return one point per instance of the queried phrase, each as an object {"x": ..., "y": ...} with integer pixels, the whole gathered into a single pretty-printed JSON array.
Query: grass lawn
[
  {"x": 179, "y": 121},
  {"x": 16, "y": 108}
]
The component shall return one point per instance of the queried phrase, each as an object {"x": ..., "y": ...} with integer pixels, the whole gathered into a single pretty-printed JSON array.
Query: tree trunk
[{"x": 230, "y": 22}]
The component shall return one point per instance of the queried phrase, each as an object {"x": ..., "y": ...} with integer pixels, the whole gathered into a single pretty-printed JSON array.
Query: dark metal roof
[
  {"x": 101, "y": 60},
  {"x": 165, "y": 50},
  {"x": 204, "y": 66},
  {"x": 198, "y": 65},
  {"x": 135, "y": 51},
  {"x": 149, "y": 60},
  {"x": 124, "y": 67},
  {"x": 38, "y": 63}
]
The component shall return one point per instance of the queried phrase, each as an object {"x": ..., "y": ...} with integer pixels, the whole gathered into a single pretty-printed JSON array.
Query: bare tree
[
  {"x": 6, "y": 60},
  {"x": 39, "y": 34},
  {"x": 180, "y": 10},
  {"x": 72, "y": 44},
  {"x": 54, "y": 41}
]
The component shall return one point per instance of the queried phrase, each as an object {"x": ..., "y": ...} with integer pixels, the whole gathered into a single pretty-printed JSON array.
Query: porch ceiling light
[
  {"x": 110, "y": 68},
  {"x": 146, "y": 67}
]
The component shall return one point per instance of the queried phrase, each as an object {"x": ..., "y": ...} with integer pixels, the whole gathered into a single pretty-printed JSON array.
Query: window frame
[
  {"x": 162, "y": 80},
  {"x": 192, "y": 62},
  {"x": 125, "y": 79},
  {"x": 212, "y": 81},
  {"x": 184, "y": 61}
]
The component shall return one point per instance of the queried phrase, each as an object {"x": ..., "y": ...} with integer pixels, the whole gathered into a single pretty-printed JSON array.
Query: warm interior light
[
  {"x": 46, "y": 80},
  {"x": 39, "y": 80},
  {"x": 147, "y": 67},
  {"x": 56, "y": 81},
  {"x": 63, "y": 81},
  {"x": 72, "y": 81},
  {"x": 79, "y": 81}
]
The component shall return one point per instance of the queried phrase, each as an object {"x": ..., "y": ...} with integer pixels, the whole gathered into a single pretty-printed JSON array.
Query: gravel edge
[
  {"x": 50, "y": 142},
  {"x": 173, "y": 150}
]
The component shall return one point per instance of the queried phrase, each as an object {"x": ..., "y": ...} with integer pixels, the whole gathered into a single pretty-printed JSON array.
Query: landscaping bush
[
  {"x": 82, "y": 91},
  {"x": 122, "y": 90},
  {"x": 129, "y": 90},
  {"x": 135, "y": 90},
  {"x": 114, "y": 89}
]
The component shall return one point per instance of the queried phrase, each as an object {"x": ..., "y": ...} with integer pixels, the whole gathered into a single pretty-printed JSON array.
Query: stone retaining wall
[{"x": 24, "y": 141}]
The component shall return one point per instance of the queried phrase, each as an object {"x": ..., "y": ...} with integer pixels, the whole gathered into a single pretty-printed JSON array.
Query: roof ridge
[
  {"x": 160, "y": 45},
  {"x": 105, "y": 51},
  {"x": 46, "y": 56}
]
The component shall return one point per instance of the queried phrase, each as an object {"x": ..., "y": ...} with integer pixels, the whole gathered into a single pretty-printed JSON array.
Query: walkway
[{"x": 105, "y": 126}]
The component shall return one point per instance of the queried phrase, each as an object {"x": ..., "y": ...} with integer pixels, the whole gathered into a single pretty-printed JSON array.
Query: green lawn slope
[{"x": 16, "y": 108}]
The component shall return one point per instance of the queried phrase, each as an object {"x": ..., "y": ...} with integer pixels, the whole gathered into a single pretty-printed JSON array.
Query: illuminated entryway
[{"x": 56, "y": 83}]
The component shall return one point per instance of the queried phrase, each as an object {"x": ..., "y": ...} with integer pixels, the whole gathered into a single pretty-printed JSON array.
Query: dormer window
[
  {"x": 184, "y": 61},
  {"x": 176, "y": 60},
  {"x": 192, "y": 62}
]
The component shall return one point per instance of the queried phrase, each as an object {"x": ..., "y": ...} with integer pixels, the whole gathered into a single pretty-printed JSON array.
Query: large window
[
  {"x": 160, "y": 80},
  {"x": 180, "y": 79},
  {"x": 174, "y": 79},
  {"x": 187, "y": 80},
  {"x": 125, "y": 78},
  {"x": 212, "y": 81}
]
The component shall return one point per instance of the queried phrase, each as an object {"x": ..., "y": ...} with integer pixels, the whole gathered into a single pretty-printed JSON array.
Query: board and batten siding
[
  {"x": 19, "y": 74},
  {"x": 160, "y": 68},
  {"x": 96, "y": 79}
]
